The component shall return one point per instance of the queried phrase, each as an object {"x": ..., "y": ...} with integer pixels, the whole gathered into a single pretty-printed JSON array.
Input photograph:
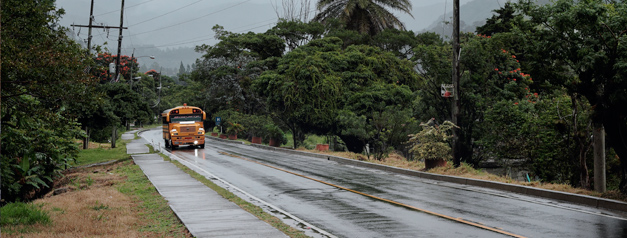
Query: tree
[
  {"x": 397, "y": 41},
  {"x": 44, "y": 73},
  {"x": 585, "y": 42},
  {"x": 127, "y": 105},
  {"x": 182, "y": 69},
  {"x": 296, "y": 33},
  {"x": 103, "y": 60},
  {"x": 365, "y": 16},
  {"x": 379, "y": 115},
  {"x": 504, "y": 21},
  {"x": 492, "y": 76},
  {"x": 294, "y": 10},
  {"x": 432, "y": 57},
  {"x": 313, "y": 83},
  {"x": 228, "y": 68}
]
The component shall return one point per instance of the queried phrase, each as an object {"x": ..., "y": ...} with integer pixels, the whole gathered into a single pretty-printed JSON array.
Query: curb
[
  {"x": 526, "y": 190},
  {"x": 224, "y": 140}
]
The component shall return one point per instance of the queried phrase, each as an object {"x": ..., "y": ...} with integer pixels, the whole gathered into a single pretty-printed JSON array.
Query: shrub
[
  {"x": 432, "y": 141},
  {"x": 272, "y": 131}
]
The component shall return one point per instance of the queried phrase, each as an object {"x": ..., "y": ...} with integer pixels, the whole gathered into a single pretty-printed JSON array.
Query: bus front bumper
[{"x": 188, "y": 140}]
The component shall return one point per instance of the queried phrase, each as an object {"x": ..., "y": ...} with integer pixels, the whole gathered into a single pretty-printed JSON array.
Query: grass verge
[
  {"x": 19, "y": 217},
  {"x": 112, "y": 200},
  {"x": 152, "y": 207},
  {"x": 98, "y": 155},
  {"x": 249, "y": 207}
]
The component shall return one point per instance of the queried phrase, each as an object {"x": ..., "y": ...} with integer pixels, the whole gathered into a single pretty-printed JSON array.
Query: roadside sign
[
  {"x": 218, "y": 120},
  {"x": 447, "y": 90}
]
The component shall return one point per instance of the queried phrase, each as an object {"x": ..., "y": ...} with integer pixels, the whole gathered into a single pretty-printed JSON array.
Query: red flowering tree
[
  {"x": 127, "y": 65},
  {"x": 493, "y": 84}
]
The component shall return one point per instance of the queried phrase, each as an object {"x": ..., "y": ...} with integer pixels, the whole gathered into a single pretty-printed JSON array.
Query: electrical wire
[
  {"x": 166, "y": 13},
  {"x": 124, "y": 8},
  {"x": 205, "y": 37},
  {"x": 170, "y": 26}
]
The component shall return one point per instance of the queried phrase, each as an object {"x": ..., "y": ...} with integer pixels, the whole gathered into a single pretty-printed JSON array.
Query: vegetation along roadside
[{"x": 112, "y": 200}]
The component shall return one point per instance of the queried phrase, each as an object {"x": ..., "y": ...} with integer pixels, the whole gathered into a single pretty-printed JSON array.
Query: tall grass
[
  {"x": 19, "y": 213},
  {"x": 18, "y": 217}
]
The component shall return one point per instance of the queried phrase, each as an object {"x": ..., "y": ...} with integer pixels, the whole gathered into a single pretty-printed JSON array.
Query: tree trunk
[
  {"x": 616, "y": 133},
  {"x": 599, "y": 158},
  {"x": 584, "y": 177},
  {"x": 582, "y": 145},
  {"x": 86, "y": 139},
  {"x": 298, "y": 137},
  {"x": 113, "y": 136}
]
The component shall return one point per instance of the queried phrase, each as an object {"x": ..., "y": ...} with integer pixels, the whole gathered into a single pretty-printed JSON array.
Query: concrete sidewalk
[{"x": 203, "y": 211}]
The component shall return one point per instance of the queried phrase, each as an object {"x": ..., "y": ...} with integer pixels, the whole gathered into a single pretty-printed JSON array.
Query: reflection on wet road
[{"x": 348, "y": 214}]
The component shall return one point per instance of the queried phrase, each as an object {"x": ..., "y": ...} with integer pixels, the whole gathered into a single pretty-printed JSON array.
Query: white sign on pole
[{"x": 447, "y": 90}]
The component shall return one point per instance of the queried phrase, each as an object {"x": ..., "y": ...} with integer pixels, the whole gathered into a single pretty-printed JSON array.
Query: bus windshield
[{"x": 188, "y": 117}]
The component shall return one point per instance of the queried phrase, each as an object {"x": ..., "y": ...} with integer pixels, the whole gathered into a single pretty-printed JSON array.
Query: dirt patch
[{"x": 85, "y": 203}]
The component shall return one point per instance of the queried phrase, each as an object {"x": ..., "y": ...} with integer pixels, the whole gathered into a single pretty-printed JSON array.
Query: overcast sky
[{"x": 171, "y": 24}]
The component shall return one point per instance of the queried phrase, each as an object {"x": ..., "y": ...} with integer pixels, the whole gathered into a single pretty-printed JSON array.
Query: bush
[
  {"x": 432, "y": 141},
  {"x": 234, "y": 128},
  {"x": 272, "y": 131}
]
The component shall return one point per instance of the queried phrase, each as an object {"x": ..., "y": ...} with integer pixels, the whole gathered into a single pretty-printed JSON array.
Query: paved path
[{"x": 203, "y": 211}]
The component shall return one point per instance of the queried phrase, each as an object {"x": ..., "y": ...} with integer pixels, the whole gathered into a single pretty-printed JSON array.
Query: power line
[
  {"x": 170, "y": 26},
  {"x": 209, "y": 37},
  {"x": 263, "y": 23},
  {"x": 173, "y": 44},
  {"x": 166, "y": 13},
  {"x": 125, "y": 8}
]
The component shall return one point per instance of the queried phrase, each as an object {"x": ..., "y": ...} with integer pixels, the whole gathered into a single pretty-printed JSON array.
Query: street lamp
[{"x": 131, "y": 78}]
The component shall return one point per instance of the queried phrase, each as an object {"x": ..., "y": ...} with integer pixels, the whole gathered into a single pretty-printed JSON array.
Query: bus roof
[{"x": 184, "y": 106}]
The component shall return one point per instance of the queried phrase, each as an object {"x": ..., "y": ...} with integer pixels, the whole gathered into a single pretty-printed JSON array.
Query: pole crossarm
[{"x": 95, "y": 26}]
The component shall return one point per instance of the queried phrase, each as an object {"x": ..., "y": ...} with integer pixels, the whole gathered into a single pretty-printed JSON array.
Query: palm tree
[{"x": 365, "y": 16}]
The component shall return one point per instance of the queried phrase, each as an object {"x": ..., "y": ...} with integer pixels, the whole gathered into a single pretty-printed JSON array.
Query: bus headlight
[{"x": 195, "y": 142}]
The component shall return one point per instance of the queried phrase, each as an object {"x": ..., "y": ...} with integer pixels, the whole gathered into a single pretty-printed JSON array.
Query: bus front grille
[{"x": 188, "y": 129}]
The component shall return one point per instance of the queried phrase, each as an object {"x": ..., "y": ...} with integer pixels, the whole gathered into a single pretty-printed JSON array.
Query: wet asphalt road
[{"x": 347, "y": 214}]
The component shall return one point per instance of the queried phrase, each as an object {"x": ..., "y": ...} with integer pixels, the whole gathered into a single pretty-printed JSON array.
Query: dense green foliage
[
  {"x": 535, "y": 81},
  {"x": 50, "y": 91},
  {"x": 523, "y": 99},
  {"x": 357, "y": 93},
  {"x": 586, "y": 42},
  {"x": 43, "y": 78}
]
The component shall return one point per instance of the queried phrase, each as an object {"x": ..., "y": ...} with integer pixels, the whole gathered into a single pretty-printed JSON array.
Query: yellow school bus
[{"x": 183, "y": 125}]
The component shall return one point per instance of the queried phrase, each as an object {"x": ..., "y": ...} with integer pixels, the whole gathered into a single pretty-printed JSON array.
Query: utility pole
[
  {"x": 90, "y": 26},
  {"x": 455, "y": 105},
  {"x": 0, "y": 94},
  {"x": 131, "y": 76},
  {"x": 91, "y": 18},
  {"x": 117, "y": 63},
  {"x": 117, "y": 69}
]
